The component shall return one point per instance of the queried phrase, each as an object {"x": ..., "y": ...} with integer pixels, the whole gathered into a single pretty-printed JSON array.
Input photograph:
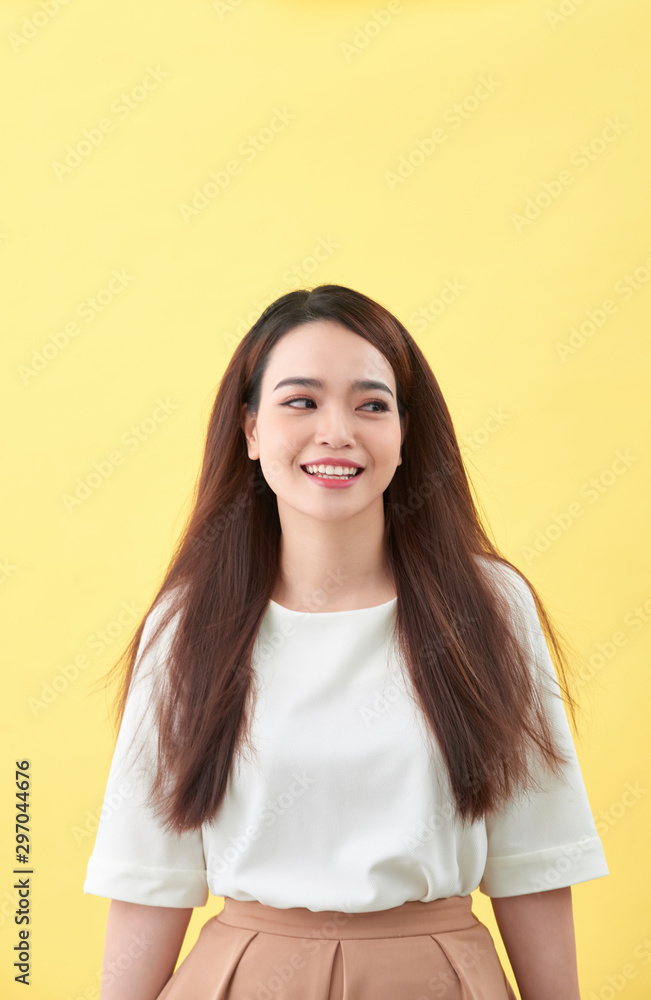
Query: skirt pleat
[
  {"x": 208, "y": 969},
  {"x": 417, "y": 951}
]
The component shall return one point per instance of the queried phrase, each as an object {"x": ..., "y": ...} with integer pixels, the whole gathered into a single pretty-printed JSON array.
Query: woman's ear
[
  {"x": 404, "y": 420},
  {"x": 248, "y": 427}
]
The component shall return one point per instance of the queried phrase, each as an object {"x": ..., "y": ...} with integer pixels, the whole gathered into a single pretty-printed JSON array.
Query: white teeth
[{"x": 332, "y": 471}]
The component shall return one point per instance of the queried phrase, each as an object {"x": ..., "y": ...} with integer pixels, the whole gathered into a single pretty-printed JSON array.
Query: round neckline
[{"x": 327, "y": 614}]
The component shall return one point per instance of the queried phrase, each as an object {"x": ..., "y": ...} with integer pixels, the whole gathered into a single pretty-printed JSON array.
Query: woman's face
[{"x": 299, "y": 424}]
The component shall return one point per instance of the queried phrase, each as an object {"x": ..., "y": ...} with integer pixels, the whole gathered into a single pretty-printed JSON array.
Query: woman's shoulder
[
  {"x": 512, "y": 586},
  {"x": 154, "y": 640}
]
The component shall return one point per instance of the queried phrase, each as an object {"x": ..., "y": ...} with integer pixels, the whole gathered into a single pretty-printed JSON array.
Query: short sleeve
[
  {"x": 134, "y": 859},
  {"x": 547, "y": 838}
]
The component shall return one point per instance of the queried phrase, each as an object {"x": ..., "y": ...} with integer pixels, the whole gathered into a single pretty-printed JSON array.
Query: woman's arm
[
  {"x": 141, "y": 949},
  {"x": 538, "y": 933}
]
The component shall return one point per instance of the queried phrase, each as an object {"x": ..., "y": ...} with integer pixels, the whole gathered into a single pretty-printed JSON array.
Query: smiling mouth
[{"x": 351, "y": 474}]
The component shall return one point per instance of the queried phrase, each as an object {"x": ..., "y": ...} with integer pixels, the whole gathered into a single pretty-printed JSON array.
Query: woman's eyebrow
[{"x": 316, "y": 383}]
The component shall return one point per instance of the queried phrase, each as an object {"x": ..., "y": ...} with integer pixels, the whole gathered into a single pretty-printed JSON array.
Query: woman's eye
[
  {"x": 378, "y": 402},
  {"x": 299, "y": 399},
  {"x": 305, "y": 399}
]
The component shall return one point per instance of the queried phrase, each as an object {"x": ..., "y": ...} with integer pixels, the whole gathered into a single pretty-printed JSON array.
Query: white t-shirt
[{"x": 346, "y": 804}]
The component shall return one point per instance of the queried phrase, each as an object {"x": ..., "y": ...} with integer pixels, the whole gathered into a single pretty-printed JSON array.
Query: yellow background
[{"x": 191, "y": 288}]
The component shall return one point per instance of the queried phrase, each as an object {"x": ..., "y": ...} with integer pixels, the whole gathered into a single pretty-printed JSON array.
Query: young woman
[{"x": 344, "y": 710}]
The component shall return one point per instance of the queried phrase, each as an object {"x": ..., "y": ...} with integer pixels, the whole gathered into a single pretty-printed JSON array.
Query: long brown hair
[{"x": 467, "y": 655}]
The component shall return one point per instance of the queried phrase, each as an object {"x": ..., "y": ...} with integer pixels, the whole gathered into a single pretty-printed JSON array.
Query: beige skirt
[{"x": 417, "y": 951}]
